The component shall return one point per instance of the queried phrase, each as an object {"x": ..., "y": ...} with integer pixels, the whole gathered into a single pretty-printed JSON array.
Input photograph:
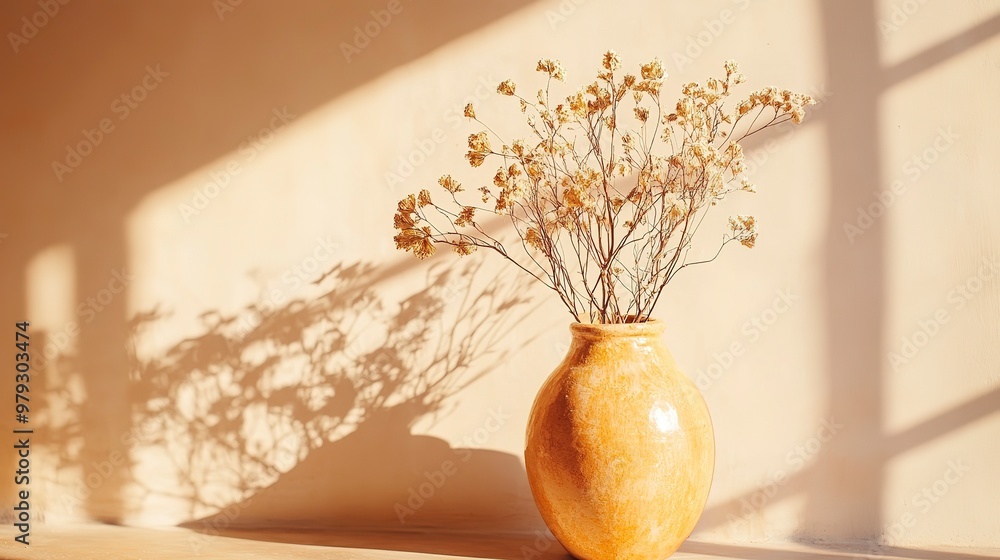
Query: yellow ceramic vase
[{"x": 620, "y": 450}]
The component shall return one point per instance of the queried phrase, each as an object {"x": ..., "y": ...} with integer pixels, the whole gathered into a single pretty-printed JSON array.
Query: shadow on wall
[
  {"x": 227, "y": 72},
  {"x": 845, "y": 478},
  {"x": 301, "y": 415}
]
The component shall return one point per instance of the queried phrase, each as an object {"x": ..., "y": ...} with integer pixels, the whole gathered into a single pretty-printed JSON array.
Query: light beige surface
[
  {"x": 99, "y": 542},
  {"x": 266, "y": 157}
]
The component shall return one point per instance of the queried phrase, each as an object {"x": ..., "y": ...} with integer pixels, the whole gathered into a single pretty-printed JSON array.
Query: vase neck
[{"x": 591, "y": 333}]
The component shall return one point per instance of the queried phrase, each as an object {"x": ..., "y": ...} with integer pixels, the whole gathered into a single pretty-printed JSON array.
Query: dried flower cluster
[{"x": 607, "y": 192}]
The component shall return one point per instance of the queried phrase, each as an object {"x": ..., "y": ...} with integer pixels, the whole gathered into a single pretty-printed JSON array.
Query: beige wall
[{"x": 221, "y": 381}]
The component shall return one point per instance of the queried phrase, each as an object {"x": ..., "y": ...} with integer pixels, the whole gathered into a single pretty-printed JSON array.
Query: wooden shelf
[{"x": 105, "y": 542}]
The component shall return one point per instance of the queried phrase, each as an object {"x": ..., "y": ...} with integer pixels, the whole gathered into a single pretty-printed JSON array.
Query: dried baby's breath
[
  {"x": 450, "y": 184},
  {"x": 506, "y": 87},
  {"x": 652, "y": 70},
  {"x": 553, "y": 68},
  {"x": 609, "y": 187},
  {"x": 612, "y": 61}
]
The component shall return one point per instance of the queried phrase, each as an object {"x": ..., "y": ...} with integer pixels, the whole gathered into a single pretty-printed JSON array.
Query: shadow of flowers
[{"x": 302, "y": 413}]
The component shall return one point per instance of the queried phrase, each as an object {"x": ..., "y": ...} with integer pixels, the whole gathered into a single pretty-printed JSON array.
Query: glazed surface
[{"x": 620, "y": 450}]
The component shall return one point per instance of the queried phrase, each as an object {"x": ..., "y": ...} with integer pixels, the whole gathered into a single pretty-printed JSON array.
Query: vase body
[{"x": 620, "y": 450}]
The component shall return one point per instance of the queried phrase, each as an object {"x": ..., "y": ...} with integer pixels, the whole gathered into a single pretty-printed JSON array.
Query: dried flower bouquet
[{"x": 608, "y": 191}]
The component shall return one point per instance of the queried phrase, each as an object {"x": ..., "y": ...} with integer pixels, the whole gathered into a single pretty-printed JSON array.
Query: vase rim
[{"x": 649, "y": 327}]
